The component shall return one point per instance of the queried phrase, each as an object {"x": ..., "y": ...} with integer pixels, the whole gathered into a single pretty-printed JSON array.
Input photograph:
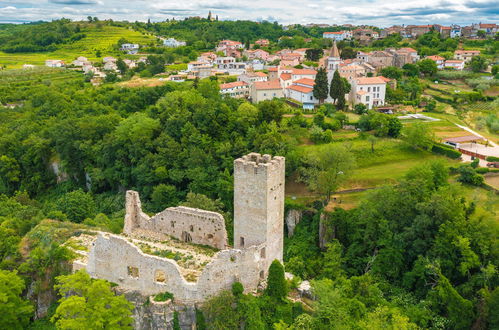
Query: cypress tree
[
  {"x": 321, "y": 87},
  {"x": 276, "y": 282},
  {"x": 337, "y": 91}
]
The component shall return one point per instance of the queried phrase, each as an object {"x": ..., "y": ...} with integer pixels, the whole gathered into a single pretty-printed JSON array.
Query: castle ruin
[{"x": 185, "y": 251}]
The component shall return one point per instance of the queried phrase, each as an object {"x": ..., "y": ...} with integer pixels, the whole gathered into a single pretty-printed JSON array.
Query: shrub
[
  {"x": 492, "y": 159},
  {"x": 482, "y": 170},
  {"x": 442, "y": 149},
  {"x": 468, "y": 175},
  {"x": 163, "y": 296},
  {"x": 237, "y": 289}
]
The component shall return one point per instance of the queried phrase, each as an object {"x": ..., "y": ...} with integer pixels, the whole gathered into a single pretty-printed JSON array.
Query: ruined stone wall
[
  {"x": 185, "y": 223},
  {"x": 115, "y": 259},
  {"x": 259, "y": 203}
]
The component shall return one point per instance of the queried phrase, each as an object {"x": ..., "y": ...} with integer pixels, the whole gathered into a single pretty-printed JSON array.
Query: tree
[
  {"x": 419, "y": 135},
  {"x": 15, "y": 311},
  {"x": 337, "y": 86},
  {"x": 277, "y": 286},
  {"x": 372, "y": 140},
  {"x": 495, "y": 69},
  {"x": 428, "y": 67},
  {"x": 468, "y": 175},
  {"x": 360, "y": 108},
  {"x": 122, "y": 67},
  {"x": 348, "y": 52},
  {"x": 333, "y": 260},
  {"x": 478, "y": 63},
  {"x": 314, "y": 54},
  {"x": 77, "y": 205},
  {"x": 321, "y": 87},
  {"x": 392, "y": 72},
  {"x": 90, "y": 304},
  {"x": 327, "y": 168},
  {"x": 394, "y": 127}
]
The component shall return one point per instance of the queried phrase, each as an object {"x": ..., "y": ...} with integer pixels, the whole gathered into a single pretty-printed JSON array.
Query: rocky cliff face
[
  {"x": 293, "y": 218},
  {"x": 151, "y": 315}
]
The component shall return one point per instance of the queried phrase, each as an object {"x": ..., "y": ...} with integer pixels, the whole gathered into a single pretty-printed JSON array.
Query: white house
[
  {"x": 237, "y": 89},
  {"x": 54, "y": 63},
  {"x": 81, "y": 61},
  {"x": 192, "y": 66},
  {"x": 439, "y": 60},
  {"x": 370, "y": 91},
  {"x": 338, "y": 36},
  {"x": 454, "y": 64},
  {"x": 173, "y": 43},
  {"x": 130, "y": 48},
  {"x": 302, "y": 91},
  {"x": 465, "y": 55}
]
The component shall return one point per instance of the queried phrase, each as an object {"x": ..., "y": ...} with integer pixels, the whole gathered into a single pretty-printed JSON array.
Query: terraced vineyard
[
  {"x": 15, "y": 85},
  {"x": 101, "y": 39}
]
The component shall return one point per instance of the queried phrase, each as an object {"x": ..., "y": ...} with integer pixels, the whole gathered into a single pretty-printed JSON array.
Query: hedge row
[{"x": 443, "y": 149}]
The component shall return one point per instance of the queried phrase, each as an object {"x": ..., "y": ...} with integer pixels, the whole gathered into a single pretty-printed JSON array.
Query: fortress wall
[
  {"x": 115, "y": 259},
  {"x": 184, "y": 223}
]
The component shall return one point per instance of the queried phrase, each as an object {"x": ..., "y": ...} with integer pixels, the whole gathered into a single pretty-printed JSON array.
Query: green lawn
[{"x": 102, "y": 39}]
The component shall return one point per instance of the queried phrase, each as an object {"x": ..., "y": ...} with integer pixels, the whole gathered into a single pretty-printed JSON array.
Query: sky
[{"x": 380, "y": 13}]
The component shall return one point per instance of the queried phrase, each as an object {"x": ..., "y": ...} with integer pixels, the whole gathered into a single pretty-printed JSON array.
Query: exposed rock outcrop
[
  {"x": 293, "y": 218},
  {"x": 151, "y": 315}
]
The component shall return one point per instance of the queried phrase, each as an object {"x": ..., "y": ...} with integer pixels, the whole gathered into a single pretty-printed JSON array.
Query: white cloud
[{"x": 376, "y": 12}]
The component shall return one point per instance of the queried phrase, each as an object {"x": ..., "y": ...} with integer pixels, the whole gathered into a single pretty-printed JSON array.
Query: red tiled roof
[
  {"x": 454, "y": 61},
  {"x": 467, "y": 52},
  {"x": 273, "y": 84},
  {"x": 233, "y": 84},
  {"x": 463, "y": 139},
  {"x": 333, "y": 32},
  {"x": 285, "y": 76},
  {"x": 487, "y": 25},
  {"x": 305, "y": 81},
  {"x": 272, "y": 69},
  {"x": 435, "y": 58},
  {"x": 301, "y": 89},
  {"x": 371, "y": 80},
  {"x": 408, "y": 49},
  {"x": 304, "y": 72}
]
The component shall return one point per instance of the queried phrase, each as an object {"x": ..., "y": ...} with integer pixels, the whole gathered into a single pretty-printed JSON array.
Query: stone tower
[{"x": 259, "y": 203}]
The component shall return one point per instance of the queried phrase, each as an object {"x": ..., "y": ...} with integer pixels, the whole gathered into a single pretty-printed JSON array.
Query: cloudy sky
[{"x": 376, "y": 12}]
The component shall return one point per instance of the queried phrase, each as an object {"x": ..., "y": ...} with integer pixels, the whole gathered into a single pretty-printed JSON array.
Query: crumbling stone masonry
[
  {"x": 184, "y": 223},
  {"x": 258, "y": 238}
]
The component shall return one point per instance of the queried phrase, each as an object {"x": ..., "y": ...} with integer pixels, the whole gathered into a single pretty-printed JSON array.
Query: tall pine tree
[
  {"x": 321, "y": 87},
  {"x": 337, "y": 91}
]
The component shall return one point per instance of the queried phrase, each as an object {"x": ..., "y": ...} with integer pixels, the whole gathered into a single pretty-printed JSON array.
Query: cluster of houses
[
  {"x": 297, "y": 84},
  {"x": 461, "y": 57},
  {"x": 363, "y": 35},
  {"x": 452, "y": 31}
]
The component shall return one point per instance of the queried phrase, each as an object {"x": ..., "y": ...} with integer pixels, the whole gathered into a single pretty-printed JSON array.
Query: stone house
[
  {"x": 265, "y": 90},
  {"x": 465, "y": 55},
  {"x": 252, "y": 77}
]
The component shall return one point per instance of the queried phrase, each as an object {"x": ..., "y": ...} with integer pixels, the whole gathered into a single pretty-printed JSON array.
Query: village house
[
  {"x": 230, "y": 48},
  {"x": 109, "y": 59},
  {"x": 454, "y": 64},
  {"x": 110, "y": 66},
  {"x": 351, "y": 71},
  {"x": 256, "y": 54},
  {"x": 439, "y": 60},
  {"x": 302, "y": 91},
  {"x": 265, "y": 90},
  {"x": 364, "y": 35},
  {"x": 337, "y": 36},
  {"x": 490, "y": 29},
  {"x": 130, "y": 63},
  {"x": 192, "y": 66},
  {"x": 80, "y": 61},
  {"x": 203, "y": 71},
  {"x": 416, "y": 30},
  {"x": 273, "y": 73},
  {"x": 381, "y": 59},
  {"x": 130, "y": 48},
  {"x": 262, "y": 42},
  {"x": 229, "y": 65},
  {"x": 54, "y": 63},
  {"x": 252, "y": 77},
  {"x": 237, "y": 89},
  {"x": 465, "y": 55},
  {"x": 369, "y": 91},
  {"x": 173, "y": 43}
]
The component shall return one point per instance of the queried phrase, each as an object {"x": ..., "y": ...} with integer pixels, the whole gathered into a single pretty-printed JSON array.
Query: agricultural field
[
  {"x": 17, "y": 85},
  {"x": 103, "y": 39}
]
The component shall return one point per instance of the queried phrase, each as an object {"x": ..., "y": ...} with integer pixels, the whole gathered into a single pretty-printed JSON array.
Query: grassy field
[{"x": 102, "y": 39}]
